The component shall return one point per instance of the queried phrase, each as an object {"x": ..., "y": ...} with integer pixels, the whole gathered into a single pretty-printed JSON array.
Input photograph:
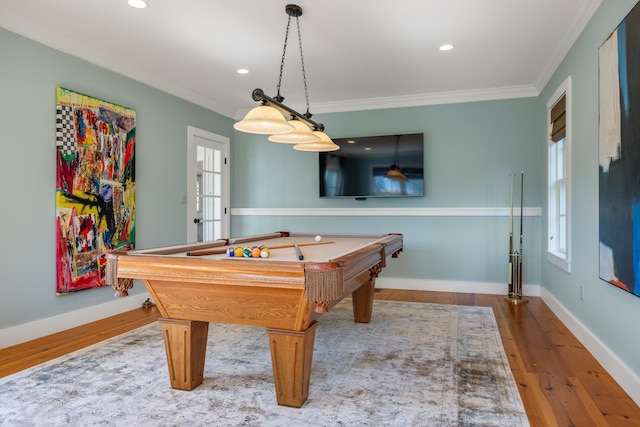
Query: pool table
[{"x": 195, "y": 284}]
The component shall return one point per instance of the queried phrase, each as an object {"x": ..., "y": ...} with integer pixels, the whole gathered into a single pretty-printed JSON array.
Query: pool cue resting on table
[
  {"x": 298, "y": 251},
  {"x": 222, "y": 250}
]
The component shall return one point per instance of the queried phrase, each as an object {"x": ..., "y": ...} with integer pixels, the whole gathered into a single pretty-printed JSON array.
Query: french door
[{"x": 207, "y": 186}]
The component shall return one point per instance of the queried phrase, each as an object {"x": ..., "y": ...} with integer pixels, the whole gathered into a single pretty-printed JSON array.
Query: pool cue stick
[
  {"x": 218, "y": 251},
  {"x": 298, "y": 251},
  {"x": 510, "y": 280},
  {"x": 519, "y": 290}
]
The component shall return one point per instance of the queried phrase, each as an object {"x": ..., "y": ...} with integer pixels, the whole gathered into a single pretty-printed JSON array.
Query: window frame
[{"x": 555, "y": 201}]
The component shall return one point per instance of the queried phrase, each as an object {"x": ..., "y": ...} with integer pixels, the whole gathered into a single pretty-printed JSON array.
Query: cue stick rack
[{"x": 514, "y": 295}]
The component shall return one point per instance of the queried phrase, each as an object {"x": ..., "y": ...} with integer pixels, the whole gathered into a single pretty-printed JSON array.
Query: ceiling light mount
[
  {"x": 293, "y": 10},
  {"x": 269, "y": 117}
]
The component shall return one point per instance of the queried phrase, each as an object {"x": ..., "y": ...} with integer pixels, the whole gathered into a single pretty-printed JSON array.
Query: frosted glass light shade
[
  {"x": 396, "y": 175},
  {"x": 324, "y": 144},
  {"x": 301, "y": 134},
  {"x": 263, "y": 120}
]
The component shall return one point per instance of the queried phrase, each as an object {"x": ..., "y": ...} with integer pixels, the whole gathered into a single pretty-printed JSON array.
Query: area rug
[{"x": 415, "y": 364}]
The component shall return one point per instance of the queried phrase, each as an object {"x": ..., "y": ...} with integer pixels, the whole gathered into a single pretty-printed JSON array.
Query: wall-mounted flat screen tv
[{"x": 374, "y": 166}]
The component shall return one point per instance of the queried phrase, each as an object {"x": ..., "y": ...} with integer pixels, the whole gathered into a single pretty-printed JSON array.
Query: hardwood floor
[{"x": 560, "y": 383}]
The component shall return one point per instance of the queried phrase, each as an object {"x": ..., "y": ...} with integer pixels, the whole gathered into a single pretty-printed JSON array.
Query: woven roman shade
[{"x": 558, "y": 119}]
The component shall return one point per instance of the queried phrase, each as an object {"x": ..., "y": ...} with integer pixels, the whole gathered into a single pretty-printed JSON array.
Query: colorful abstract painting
[
  {"x": 619, "y": 155},
  {"x": 95, "y": 187}
]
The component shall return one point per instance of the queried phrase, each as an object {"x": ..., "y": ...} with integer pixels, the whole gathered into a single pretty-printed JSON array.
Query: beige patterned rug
[{"x": 414, "y": 365}]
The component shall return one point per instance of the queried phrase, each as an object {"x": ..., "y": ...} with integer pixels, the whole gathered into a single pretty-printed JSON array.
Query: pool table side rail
[{"x": 250, "y": 272}]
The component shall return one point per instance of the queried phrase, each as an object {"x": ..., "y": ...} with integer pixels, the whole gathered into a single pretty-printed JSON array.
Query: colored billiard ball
[
  {"x": 231, "y": 252},
  {"x": 238, "y": 252},
  {"x": 264, "y": 253},
  {"x": 318, "y": 238}
]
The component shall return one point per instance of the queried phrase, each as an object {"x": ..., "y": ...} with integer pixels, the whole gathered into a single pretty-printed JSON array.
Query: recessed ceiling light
[
  {"x": 242, "y": 71},
  {"x": 351, "y": 141},
  {"x": 367, "y": 149},
  {"x": 446, "y": 47},
  {"x": 138, "y": 4}
]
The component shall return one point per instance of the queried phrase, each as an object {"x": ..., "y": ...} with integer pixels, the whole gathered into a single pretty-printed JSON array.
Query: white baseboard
[
  {"x": 51, "y": 325},
  {"x": 624, "y": 376},
  {"x": 453, "y": 286}
]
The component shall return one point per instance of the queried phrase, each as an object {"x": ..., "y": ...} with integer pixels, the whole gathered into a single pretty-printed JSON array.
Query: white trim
[
  {"x": 619, "y": 371},
  {"x": 581, "y": 19},
  {"x": 26, "y": 27},
  {"x": 418, "y": 100},
  {"x": 51, "y": 325},
  {"x": 488, "y": 212},
  {"x": 30, "y": 29},
  {"x": 555, "y": 257},
  {"x": 214, "y": 140},
  {"x": 559, "y": 261},
  {"x": 453, "y": 286}
]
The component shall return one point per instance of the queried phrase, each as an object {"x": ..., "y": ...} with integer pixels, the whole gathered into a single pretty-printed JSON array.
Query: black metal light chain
[
  {"x": 304, "y": 75},
  {"x": 278, "y": 97}
]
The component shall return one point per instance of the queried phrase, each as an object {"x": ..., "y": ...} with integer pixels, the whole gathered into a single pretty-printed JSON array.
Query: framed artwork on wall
[
  {"x": 95, "y": 188},
  {"x": 619, "y": 155}
]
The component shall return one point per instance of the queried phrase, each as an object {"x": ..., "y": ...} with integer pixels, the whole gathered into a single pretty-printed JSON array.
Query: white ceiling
[{"x": 358, "y": 54}]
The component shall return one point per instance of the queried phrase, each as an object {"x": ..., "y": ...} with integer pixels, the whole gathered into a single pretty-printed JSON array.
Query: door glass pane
[
  {"x": 208, "y": 231},
  {"x": 217, "y": 210},
  {"x": 210, "y": 215},
  {"x": 217, "y": 185},
  {"x": 217, "y": 161}
]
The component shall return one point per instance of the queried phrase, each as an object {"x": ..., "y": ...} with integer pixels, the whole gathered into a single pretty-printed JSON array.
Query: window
[{"x": 559, "y": 168}]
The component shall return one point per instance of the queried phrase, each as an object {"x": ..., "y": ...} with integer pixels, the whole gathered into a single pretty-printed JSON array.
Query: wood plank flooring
[{"x": 560, "y": 383}]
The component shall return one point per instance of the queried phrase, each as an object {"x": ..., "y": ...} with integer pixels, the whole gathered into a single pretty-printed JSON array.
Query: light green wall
[
  {"x": 611, "y": 314},
  {"x": 470, "y": 150},
  {"x": 29, "y": 75}
]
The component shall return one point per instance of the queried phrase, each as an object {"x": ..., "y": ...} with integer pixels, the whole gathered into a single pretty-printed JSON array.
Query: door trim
[{"x": 192, "y": 170}]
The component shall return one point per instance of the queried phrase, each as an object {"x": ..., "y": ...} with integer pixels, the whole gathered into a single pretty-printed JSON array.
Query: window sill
[{"x": 559, "y": 261}]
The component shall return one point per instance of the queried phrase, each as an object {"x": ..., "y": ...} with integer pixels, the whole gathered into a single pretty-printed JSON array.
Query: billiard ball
[
  {"x": 231, "y": 252},
  {"x": 318, "y": 238}
]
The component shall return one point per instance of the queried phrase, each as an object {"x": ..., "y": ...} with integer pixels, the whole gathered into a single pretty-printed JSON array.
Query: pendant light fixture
[
  {"x": 269, "y": 117},
  {"x": 324, "y": 143},
  {"x": 301, "y": 134},
  {"x": 395, "y": 173}
]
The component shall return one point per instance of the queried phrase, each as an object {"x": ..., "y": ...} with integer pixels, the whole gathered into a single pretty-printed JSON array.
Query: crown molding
[
  {"x": 581, "y": 19},
  {"x": 29, "y": 29},
  {"x": 419, "y": 100}
]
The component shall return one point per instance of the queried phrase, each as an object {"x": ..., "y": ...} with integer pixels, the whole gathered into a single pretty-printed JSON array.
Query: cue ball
[{"x": 318, "y": 238}]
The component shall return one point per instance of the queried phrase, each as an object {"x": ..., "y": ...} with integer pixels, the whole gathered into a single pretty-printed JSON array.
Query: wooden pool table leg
[
  {"x": 362, "y": 299},
  {"x": 185, "y": 342},
  {"x": 291, "y": 358}
]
